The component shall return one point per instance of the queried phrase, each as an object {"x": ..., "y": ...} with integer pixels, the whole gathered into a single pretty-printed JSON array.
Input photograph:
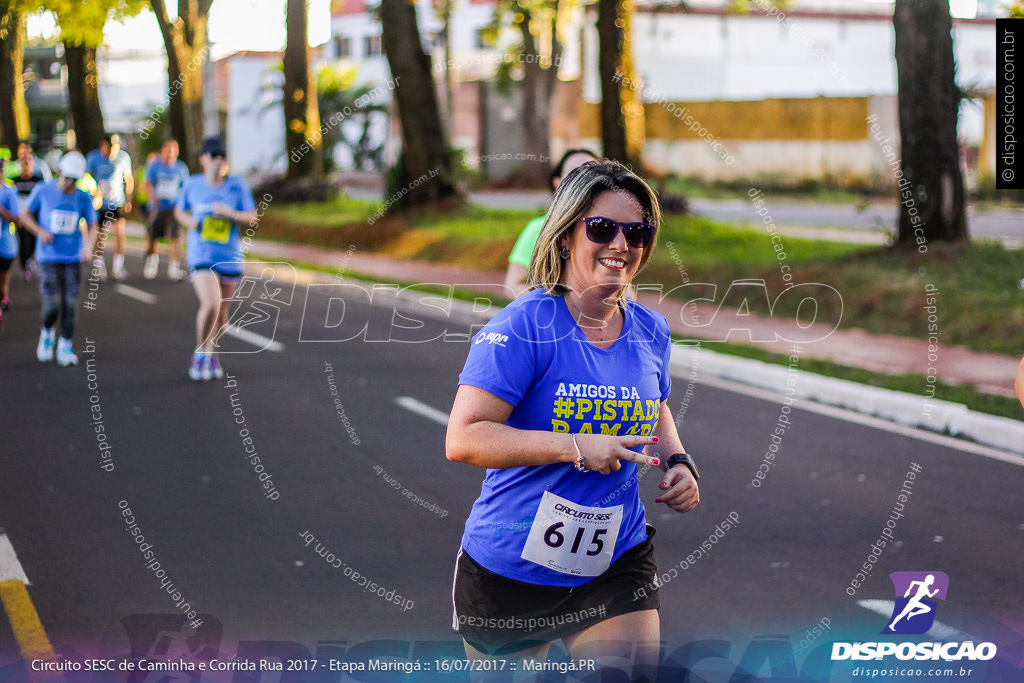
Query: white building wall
[
  {"x": 700, "y": 57},
  {"x": 255, "y": 135}
]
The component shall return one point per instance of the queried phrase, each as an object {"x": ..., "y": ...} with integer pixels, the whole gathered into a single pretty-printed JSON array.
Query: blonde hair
[{"x": 575, "y": 195}]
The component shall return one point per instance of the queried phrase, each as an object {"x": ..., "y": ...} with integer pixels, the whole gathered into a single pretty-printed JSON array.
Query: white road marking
[
  {"x": 938, "y": 631},
  {"x": 867, "y": 421},
  {"x": 10, "y": 567},
  {"x": 133, "y": 293},
  {"x": 255, "y": 339},
  {"x": 420, "y": 408}
]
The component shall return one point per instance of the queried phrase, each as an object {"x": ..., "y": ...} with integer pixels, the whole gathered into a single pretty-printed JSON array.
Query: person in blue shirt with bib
[
  {"x": 210, "y": 206},
  {"x": 165, "y": 177},
  {"x": 54, "y": 213},
  {"x": 562, "y": 397},
  {"x": 112, "y": 168}
]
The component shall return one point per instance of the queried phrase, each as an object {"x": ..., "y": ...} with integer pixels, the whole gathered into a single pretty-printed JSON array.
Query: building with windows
[
  {"x": 46, "y": 96},
  {"x": 786, "y": 92}
]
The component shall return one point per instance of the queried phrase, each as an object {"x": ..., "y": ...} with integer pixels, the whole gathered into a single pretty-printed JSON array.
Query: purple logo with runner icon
[{"x": 916, "y": 593}]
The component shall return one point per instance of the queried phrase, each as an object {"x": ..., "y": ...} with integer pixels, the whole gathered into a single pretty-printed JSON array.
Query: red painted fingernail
[
  {"x": 655, "y": 439},
  {"x": 663, "y": 485},
  {"x": 655, "y": 461},
  {"x": 657, "y": 500}
]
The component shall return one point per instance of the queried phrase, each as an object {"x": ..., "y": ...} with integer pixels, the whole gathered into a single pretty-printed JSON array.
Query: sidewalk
[{"x": 989, "y": 372}]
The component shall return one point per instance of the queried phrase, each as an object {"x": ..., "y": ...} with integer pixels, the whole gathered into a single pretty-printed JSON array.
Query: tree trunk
[
  {"x": 622, "y": 119},
  {"x": 14, "y": 125},
  {"x": 84, "y": 96},
  {"x": 301, "y": 115},
  {"x": 426, "y": 156},
  {"x": 931, "y": 186},
  {"x": 536, "y": 110},
  {"x": 185, "y": 42}
]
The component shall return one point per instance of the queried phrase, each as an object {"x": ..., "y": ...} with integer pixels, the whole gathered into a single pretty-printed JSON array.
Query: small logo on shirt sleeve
[{"x": 491, "y": 338}]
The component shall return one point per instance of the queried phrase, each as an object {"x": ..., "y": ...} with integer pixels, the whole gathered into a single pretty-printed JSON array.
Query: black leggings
[{"x": 26, "y": 246}]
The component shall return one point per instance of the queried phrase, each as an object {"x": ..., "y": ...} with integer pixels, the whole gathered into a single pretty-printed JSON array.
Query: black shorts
[
  {"x": 112, "y": 214},
  {"x": 162, "y": 224},
  {"x": 5, "y": 264},
  {"x": 500, "y": 616}
]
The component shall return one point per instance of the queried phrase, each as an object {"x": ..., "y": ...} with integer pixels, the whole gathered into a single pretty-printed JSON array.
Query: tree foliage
[
  {"x": 337, "y": 92},
  {"x": 82, "y": 23},
  {"x": 81, "y": 31},
  {"x": 533, "y": 63}
]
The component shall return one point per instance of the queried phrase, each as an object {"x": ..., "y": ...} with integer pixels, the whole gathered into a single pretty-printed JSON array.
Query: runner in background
[
  {"x": 52, "y": 159},
  {"x": 142, "y": 197},
  {"x": 54, "y": 213},
  {"x": 10, "y": 210},
  {"x": 211, "y": 206},
  {"x": 28, "y": 175},
  {"x": 112, "y": 168},
  {"x": 164, "y": 179},
  {"x": 519, "y": 259},
  {"x": 25, "y": 152}
]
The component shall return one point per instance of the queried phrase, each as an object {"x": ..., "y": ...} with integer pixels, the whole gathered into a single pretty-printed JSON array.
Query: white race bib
[
  {"x": 63, "y": 222},
  {"x": 571, "y": 538},
  {"x": 167, "y": 189}
]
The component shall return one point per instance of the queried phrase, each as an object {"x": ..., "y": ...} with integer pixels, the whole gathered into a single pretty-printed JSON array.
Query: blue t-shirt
[
  {"x": 167, "y": 182},
  {"x": 109, "y": 175},
  {"x": 60, "y": 214},
  {"x": 216, "y": 242},
  {"x": 534, "y": 356},
  {"x": 8, "y": 236}
]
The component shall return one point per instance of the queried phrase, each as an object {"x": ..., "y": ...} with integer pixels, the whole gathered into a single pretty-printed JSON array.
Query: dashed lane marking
[{"x": 420, "y": 408}]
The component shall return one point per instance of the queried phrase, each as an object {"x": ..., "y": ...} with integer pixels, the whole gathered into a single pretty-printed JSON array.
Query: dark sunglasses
[
  {"x": 218, "y": 155},
  {"x": 601, "y": 230}
]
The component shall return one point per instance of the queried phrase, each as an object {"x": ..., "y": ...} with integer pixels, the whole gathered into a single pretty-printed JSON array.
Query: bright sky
[{"x": 234, "y": 25}]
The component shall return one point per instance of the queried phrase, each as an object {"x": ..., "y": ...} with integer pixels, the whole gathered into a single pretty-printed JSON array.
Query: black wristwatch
[{"x": 685, "y": 459}]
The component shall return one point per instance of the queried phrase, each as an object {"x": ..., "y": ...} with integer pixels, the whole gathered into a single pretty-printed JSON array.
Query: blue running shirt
[
  {"x": 109, "y": 174},
  {"x": 166, "y": 182},
  {"x": 8, "y": 236},
  {"x": 533, "y": 355},
  {"x": 61, "y": 215},
  {"x": 216, "y": 241}
]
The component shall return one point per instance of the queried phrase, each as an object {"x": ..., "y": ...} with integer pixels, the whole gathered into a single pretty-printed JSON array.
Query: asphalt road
[{"x": 363, "y": 480}]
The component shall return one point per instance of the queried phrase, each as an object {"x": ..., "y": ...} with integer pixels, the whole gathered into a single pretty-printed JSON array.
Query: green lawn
[{"x": 979, "y": 303}]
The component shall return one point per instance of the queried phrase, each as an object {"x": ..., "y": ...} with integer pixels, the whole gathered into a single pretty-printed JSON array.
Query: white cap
[{"x": 72, "y": 165}]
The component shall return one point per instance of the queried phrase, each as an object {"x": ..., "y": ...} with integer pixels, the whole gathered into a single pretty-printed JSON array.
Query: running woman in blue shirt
[
  {"x": 561, "y": 399},
  {"x": 54, "y": 213},
  {"x": 210, "y": 206},
  {"x": 164, "y": 177}
]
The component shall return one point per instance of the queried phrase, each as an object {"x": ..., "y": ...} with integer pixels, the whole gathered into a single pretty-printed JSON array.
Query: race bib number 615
[{"x": 571, "y": 538}]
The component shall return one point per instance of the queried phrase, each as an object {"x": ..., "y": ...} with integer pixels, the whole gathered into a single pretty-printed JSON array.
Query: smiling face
[{"x": 606, "y": 267}]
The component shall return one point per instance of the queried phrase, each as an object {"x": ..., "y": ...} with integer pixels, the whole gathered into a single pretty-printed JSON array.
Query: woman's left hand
[{"x": 679, "y": 489}]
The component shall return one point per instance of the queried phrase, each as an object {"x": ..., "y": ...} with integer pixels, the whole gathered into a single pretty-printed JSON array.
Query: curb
[{"x": 911, "y": 410}]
